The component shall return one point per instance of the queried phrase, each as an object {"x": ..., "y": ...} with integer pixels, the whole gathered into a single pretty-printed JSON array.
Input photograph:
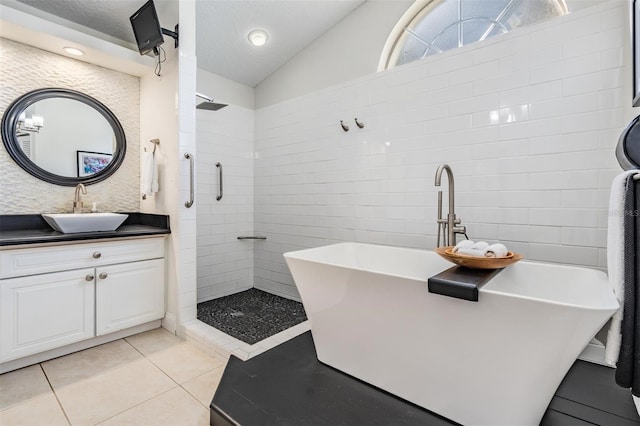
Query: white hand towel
[
  {"x": 146, "y": 173},
  {"x": 471, "y": 252},
  {"x": 154, "y": 168},
  {"x": 463, "y": 244},
  {"x": 615, "y": 264},
  {"x": 480, "y": 245},
  {"x": 496, "y": 250}
]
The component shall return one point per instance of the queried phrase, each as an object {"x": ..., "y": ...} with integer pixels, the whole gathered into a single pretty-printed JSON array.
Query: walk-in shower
[{"x": 246, "y": 318}]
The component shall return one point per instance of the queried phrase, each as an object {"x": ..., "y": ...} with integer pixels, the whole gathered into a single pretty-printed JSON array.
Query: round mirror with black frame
[{"x": 63, "y": 137}]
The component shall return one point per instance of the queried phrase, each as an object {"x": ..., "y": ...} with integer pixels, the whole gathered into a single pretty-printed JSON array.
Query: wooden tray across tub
[{"x": 476, "y": 262}]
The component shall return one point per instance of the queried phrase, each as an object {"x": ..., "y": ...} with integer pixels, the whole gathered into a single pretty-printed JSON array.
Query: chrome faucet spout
[
  {"x": 449, "y": 224},
  {"x": 77, "y": 201},
  {"x": 451, "y": 195}
]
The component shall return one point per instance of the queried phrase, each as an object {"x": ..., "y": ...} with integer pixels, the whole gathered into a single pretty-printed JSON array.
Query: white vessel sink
[{"x": 68, "y": 223}]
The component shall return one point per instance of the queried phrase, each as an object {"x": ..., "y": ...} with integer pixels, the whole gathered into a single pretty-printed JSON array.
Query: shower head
[{"x": 209, "y": 105}]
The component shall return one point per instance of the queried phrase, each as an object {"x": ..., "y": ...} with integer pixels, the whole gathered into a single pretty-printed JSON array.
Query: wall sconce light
[{"x": 32, "y": 124}]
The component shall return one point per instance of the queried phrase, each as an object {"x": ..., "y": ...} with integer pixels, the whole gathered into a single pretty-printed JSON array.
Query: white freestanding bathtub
[{"x": 497, "y": 361}]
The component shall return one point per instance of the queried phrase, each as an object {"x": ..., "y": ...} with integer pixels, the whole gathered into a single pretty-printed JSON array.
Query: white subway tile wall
[
  {"x": 184, "y": 226},
  {"x": 224, "y": 263},
  {"x": 528, "y": 121}
]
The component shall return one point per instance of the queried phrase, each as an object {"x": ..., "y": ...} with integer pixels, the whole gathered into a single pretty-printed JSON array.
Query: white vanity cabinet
[
  {"x": 53, "y": 296},
  {"x": 129, "y": 294},
  {"x": 42, "y": 312}
]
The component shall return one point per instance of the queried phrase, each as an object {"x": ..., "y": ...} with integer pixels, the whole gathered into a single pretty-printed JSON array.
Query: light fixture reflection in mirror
[
  {"x": 82, "y": 141},
  {"x": 31, "y": 124}
]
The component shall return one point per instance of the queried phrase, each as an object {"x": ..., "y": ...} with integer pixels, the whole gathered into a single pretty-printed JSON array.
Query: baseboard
[
  {"x": 594, "y": 353},
  {"x": 170, "y": 323},
  {"x": 75, "y": 347}
]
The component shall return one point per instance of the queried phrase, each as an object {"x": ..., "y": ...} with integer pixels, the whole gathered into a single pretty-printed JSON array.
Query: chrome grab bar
[
  {"x": 191, "y": 196},
  {"x": 252, "y": 238},
  {"x": 219, "y": 166}
]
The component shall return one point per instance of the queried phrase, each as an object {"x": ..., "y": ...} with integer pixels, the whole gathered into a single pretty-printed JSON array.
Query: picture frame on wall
[
  {"x": 90, "y": 163},
  {"x": 636, "y": 52}
]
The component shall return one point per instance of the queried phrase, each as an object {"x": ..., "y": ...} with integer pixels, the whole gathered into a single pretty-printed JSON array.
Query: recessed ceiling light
[
  {"x": 258, "y": 37},
  {"x": 73, "y": 51}
]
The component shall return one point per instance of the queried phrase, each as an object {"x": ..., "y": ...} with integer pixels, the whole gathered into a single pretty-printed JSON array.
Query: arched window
[{"x": 430, "y": 27}]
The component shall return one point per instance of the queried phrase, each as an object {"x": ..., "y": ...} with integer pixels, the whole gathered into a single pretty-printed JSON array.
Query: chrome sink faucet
[
  {"x": 447, "y": 226},
  {"x": 77, "y": 201}
]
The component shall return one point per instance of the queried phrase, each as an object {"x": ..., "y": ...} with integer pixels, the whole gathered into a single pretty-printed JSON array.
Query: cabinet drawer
[{"x": 31, "y": 261}]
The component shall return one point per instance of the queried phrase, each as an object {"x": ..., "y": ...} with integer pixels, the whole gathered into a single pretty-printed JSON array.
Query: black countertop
[{"x": 32, "y": 229}]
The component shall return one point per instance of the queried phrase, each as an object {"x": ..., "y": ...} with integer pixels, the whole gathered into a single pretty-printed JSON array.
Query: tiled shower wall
[
  {"x": 528, "y": 122},
  {"x": 225, "y": 264},
  {"x": 25, "y": 68}
]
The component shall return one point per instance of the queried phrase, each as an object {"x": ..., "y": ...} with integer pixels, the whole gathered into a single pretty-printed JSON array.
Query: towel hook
[
  {"x": 344, "y": 126},
  {"x": 359, "y": 124},
  {"x": 155, "y": 143}
]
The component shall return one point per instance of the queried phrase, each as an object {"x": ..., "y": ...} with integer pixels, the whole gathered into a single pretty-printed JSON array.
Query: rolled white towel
[
  {"x": 496, "y": 250},
  {"x": 471, "y": 252},
  {"x": 480, "y": 245},
  {"x": 462, "y": 244}
]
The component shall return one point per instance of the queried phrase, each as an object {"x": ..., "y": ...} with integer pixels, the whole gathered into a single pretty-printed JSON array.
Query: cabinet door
[
  {"x": 129, "y": 294},
  {"x": 45, "y": 311}
]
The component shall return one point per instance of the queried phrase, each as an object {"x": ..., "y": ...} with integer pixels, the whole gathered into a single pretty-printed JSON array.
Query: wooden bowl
[{"x": 475, "y": 262}]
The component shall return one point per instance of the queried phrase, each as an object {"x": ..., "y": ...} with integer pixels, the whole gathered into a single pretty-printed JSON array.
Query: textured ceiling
[
  {"x": 221, "y": 28},
  {"x": 106, "y": 16}
]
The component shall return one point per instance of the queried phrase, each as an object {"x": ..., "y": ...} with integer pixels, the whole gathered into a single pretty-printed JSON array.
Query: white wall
[
  {"x": 224, "y": 90},
  {"x": 168, "y": 113},
  {"x": 22, "y": 70},
  {"x": 225, "y": 264},
  {"x": 350, "y": 49},
  {"x": 528, "y": 121},
  {"x": 158, "y": 120}
]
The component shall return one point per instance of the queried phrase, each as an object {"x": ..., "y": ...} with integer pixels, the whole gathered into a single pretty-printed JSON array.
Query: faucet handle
[
  {"x": 460, "y": 229},
  {"x": 77, "y": 206}
]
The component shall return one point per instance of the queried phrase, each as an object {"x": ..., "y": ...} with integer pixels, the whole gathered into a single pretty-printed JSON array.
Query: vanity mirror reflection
[{"x": 63, "y": 137}]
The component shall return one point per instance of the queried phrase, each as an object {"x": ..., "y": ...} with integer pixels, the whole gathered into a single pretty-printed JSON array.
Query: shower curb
[{"x": 221, "y": 346}]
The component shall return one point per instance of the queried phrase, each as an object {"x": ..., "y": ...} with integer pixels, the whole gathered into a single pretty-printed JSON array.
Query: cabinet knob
[
  {"x": 89, "y": 277},
  {"x": 97, "y": 255},
  {"x": 103, "y": 275}
]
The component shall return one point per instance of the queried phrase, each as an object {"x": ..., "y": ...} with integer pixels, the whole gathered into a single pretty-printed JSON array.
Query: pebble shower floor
[{"x": 251, "y": 315}]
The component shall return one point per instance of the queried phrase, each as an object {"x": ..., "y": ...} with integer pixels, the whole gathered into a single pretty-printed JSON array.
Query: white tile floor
[{"x": 152, "y": 378}]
